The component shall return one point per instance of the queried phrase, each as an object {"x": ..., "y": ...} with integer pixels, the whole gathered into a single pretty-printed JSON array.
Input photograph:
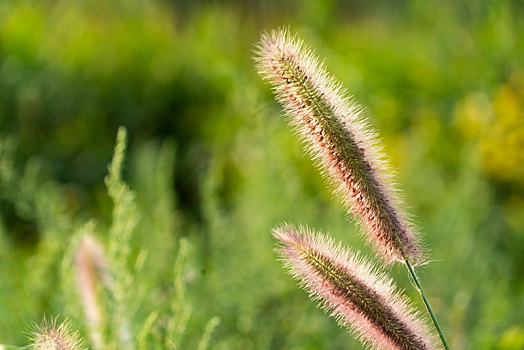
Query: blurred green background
[{"x": 211, "y": 157}]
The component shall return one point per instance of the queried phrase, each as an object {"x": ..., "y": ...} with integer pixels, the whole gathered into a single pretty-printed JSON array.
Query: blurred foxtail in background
[
  {"x": 91, "y": 269},
  {"x": 51, "y": 335}
]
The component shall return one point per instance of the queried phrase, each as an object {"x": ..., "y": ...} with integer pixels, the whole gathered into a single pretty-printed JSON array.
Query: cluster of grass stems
[{"x": 347, "y": 151}]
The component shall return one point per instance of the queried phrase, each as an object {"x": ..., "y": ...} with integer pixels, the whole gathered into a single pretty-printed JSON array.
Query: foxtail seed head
[
  {"x": 91, "y": 269},
  {"x": 50, "y": 336},
  {"x": 352, "y": 291},
  {"x": 340, "y": 140}
]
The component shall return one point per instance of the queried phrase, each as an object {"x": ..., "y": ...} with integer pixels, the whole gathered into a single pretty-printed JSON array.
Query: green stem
[{"x": 419, "y": 287}]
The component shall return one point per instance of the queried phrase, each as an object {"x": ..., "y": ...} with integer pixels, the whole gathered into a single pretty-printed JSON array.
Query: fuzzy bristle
[
  {"x": 91, "y": 269},
  {"x": 351, "y": 290},
  {"x": 52, "y": 336},
  {"x": 340, "y": 140}
]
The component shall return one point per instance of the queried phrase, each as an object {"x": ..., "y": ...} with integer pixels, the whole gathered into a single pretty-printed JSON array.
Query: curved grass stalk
[{"x": 426, "y": 303}]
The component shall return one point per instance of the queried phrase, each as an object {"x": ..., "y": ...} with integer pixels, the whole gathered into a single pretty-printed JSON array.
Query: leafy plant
[{"x": 104, "y": 288}]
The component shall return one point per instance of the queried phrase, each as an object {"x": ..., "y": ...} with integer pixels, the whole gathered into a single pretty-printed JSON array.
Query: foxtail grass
[
  {"x": 91, "y": 270},
  {"x": 348, "y": 152},
  {"x": 50, "y": 335},
  {"x": 352, "y": 291},
  {"x": 340, "y": 140}
]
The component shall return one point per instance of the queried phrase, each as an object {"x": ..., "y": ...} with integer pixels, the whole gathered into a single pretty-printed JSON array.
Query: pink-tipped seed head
[
  {"x": 49, "y": 335},
  {"x": 91, "y": 269},
  {"x": 340, "y": 140},
  {"x": 352, "y": 291}
]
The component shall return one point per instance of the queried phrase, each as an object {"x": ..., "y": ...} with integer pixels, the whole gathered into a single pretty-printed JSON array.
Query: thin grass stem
[{"x": 426, "y": 302}]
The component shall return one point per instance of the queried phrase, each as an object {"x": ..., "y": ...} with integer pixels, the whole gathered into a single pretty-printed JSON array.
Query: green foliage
[
  {"x": 121, "y": 293},
  {"x": 442, "y": 82}
]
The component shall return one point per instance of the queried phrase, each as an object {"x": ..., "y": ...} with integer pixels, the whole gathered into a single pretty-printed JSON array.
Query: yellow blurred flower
[
  {"x": 513, "y": 338},
  {"x": 498, "y": 123}
]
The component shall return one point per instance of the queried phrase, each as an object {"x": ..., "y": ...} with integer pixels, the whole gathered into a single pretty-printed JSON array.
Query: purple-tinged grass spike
[
  {"x": 340, "y": 140},
  {"x": 351, "y": 290},
  {"x": 91, "y": 269},
  {"x": 52, "y": 336}
]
